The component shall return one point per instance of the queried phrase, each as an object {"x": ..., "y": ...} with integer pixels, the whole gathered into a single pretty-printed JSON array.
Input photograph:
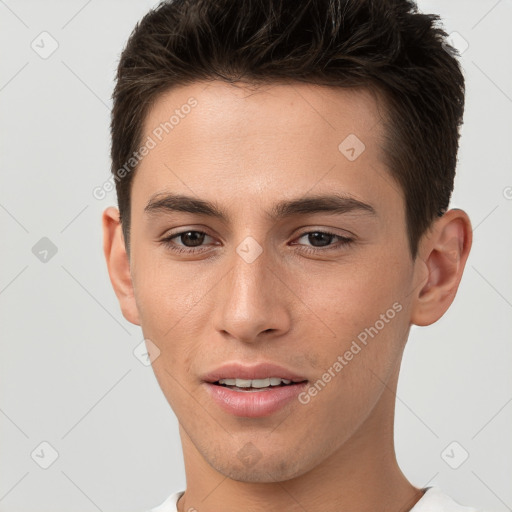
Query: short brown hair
[{"x": 385, "y": 45}]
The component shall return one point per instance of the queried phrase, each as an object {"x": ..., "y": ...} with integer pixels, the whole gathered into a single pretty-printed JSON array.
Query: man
[{"x": 283, "y": 172}]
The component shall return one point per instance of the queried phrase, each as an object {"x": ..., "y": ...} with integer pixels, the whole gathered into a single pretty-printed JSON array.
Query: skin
[{"x": 245, "y": 149}]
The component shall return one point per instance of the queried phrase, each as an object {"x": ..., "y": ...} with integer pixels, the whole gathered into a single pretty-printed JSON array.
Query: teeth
[
  {"x": 228, "y": 382},
  {"x": 254, "y": 383},
  {"x": 260, "y": 383},
  {"x": 242, "y": 383}
]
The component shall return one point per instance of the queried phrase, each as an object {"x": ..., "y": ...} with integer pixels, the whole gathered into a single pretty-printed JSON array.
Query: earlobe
[
  {"x": 443, "y": 255},
  {"x": 118, "y": 264}
]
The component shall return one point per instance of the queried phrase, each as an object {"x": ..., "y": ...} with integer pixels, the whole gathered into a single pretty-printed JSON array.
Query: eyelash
[{"x": 343, "y": 241}]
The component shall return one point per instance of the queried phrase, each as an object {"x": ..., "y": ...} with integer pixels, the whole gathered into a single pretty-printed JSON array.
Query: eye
[
  {"x": 190, "y": 239},
  {"x": 321, "y": 241}
]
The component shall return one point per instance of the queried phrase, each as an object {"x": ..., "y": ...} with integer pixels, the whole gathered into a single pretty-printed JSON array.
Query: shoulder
[
  {"x": 435, "y": 500},
  {"x": 169, "y": 505}
]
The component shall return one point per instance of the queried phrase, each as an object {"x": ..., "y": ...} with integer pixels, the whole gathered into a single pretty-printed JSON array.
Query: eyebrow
[{"x": 331, "y": 204}]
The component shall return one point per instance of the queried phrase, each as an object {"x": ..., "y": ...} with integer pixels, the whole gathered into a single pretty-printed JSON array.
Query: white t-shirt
[{"x": 434, "y": 500}]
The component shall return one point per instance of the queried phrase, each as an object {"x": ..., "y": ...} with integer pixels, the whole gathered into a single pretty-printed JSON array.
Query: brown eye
[
  {"x": 321, "y": 241},
  {"x": 194, "y": 238},
  {"x": 185, "y": 241}
]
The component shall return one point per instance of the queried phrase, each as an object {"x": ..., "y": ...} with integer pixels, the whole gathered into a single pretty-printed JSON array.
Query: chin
[{"x": 248, "y": 465}]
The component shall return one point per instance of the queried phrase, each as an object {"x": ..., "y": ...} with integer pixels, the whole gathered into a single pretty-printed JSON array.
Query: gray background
[{"x": 68, "y": 375}]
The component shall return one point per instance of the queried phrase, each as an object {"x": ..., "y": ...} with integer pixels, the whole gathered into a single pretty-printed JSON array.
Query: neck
[{"x": 360, "y": 475}]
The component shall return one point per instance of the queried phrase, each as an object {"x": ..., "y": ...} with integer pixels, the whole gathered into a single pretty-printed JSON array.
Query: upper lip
[{"x": 236, "y": 370}]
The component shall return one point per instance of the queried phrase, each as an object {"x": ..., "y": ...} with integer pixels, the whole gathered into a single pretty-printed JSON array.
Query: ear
[
  {"x": 440, "y": 263},
  {"x": 118, "y": 264}
]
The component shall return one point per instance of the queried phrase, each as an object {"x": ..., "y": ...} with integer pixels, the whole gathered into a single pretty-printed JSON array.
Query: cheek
[
  {"x": 360, "y": 317},
  {"x": 166, "y": 291},
  {"x": 354, "y": 298},
  {"x": 350, "y": 369},
  {"x": 173, "y": 301}
]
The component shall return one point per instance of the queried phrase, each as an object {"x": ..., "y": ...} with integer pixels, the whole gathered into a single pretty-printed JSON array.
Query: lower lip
[{"x": 254, "y": 404}]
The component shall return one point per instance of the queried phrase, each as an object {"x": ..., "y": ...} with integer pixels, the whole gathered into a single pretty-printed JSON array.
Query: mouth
[
  {"x": 253, "y": 398},
  {"x": 253, "y": 391},
  {"x": 257, "y": 385}
]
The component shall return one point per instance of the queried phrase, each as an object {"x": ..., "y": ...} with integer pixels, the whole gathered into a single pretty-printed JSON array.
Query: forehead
[
  {"x": 262, "y": 111},
  {"x": 216, "y": 140}
]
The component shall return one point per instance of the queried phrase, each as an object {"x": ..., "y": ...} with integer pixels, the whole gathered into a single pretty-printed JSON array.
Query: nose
[{"x": 252, "y": 301}]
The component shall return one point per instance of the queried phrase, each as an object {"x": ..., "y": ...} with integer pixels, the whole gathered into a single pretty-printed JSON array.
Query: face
[{"x": 321, "y": 288}]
